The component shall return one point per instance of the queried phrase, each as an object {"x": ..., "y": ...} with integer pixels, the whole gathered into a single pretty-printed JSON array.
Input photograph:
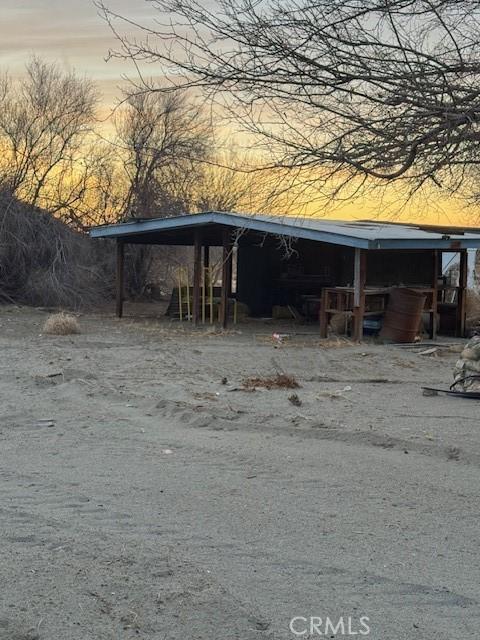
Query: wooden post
[
  {"x": 197, "y": 275},
  {"x": 120, "y": 276},
  {"x": 434, "y": 309},
  {"x": 206, "y": 256},
  {"x": 360, "y": 277},
  {"x": 325, "y": 301},
  {"x": 206, "y": 283},
  {"x": 462, "y": 294},
  {"x": 226, "y": 278},
  {"x": 230, "y": 269},
  {"x": 180, "y": 303}
]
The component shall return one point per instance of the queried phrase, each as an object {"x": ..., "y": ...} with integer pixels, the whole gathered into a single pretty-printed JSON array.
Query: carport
[{"x": 287, "y": 258}]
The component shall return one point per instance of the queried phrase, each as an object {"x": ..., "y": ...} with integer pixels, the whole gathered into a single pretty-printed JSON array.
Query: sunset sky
[{"x": 71, "y": 33}]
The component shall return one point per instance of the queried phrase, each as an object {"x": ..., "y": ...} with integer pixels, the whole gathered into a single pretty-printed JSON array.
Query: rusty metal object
[{"x": 403, "y": 315}]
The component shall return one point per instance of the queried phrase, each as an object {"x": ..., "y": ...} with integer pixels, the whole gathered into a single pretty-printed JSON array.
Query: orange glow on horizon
[{"x": 71, "y": 33}]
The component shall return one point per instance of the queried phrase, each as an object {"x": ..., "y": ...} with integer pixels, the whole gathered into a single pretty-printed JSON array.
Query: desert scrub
[{"x": 61, "y": 324}]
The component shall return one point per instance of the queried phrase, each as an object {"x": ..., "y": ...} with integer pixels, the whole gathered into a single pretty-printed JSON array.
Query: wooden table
[{"x": 340, "y": 300}]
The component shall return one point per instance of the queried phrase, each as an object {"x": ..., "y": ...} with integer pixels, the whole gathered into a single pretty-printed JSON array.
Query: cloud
[{"x": 69, "y": 32}]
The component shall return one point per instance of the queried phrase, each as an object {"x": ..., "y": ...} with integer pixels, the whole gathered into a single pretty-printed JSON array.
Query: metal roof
[{"x": 361, "y": 234}]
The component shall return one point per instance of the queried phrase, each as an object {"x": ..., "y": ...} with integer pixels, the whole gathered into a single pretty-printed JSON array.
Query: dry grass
[
  {"x": 339, "y": 324},
  {"x": 61, "y": 324},
  {"x": 278, "y": 381}
]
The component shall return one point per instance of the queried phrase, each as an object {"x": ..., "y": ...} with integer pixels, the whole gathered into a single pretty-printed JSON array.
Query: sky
[
  {"x": 72, "y": 34},
  {"x": 69, "y": 32}
]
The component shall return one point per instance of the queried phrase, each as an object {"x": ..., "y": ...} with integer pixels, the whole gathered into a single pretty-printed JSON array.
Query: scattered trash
[
  {"x": 295, "y": 400},
  {"x": 45, "y": 422},
  {"x": 280, "y": 337},
  {"x": 428, "y": 352},
  {"x": 429, "y": 392},
  {"x": 167, "y": 451},
  {"x": 454, "y": 453},
  {"x": 452, "y": 391},
  {"x": 335, "y": 394}
]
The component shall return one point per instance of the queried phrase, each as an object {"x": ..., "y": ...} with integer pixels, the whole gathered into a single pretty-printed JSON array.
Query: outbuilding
[{"x": 333, "y": 267}]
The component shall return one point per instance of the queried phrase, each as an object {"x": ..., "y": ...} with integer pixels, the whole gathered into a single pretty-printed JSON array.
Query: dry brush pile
[{"x": 43, "y": 262}]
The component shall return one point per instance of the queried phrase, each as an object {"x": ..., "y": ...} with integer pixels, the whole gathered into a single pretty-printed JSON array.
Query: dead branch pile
[
  {"x": 278, "y": 381},
  {"x": 43, "y": 262}
]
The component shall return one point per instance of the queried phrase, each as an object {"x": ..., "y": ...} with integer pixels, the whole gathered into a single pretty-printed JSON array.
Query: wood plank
[{"x": 120, "y": 277}]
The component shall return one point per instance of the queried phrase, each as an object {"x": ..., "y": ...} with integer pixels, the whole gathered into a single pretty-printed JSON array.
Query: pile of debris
[
  {"x": 467, "y": 369},
  {"x": 44, "y": 262}
]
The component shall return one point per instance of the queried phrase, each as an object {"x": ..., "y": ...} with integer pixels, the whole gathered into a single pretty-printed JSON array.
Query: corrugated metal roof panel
[{"x": 362, "y": 234}]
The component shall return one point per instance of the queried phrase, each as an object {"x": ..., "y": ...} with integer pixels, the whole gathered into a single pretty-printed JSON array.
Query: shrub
[
  {"x": 44, "y": 262},
  {"x": 61, "y": 324}
]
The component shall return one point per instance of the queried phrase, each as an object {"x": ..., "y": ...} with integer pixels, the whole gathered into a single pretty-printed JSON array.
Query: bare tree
[
  {"x": 227, "y": 184},
  {"x": 162, "y": 139},
  {"x": 350, "y": 93},
  {"x": 89, "y": 191},
  {"x": 45, "y": 123},
  {"x": 161, "y": 142}
]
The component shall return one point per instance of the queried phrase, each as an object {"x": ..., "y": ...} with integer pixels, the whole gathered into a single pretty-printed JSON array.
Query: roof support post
[
  {"x": 434, "y": 308},
  {"x": 226, "y": 277},
  {"x": 197, "y": 275},
  {"x": 206, "y": 256},
  {"x": 206, "y": 282},
  {"x": 120, "y": 276},
  {"x": 462, "y": 294},
  {"x": 230, "y": 269},
  {"x": 360, "y": 277}
]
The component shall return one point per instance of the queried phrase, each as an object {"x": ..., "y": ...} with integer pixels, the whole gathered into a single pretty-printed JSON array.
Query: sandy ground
[{"x": 143, "y": 498}]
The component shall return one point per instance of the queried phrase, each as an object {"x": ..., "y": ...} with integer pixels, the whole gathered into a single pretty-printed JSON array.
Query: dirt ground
[{"x": 145, "y": 494}]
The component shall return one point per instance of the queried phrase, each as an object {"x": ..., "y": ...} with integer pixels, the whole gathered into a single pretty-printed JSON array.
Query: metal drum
[{"x": 403, "y": 315}]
